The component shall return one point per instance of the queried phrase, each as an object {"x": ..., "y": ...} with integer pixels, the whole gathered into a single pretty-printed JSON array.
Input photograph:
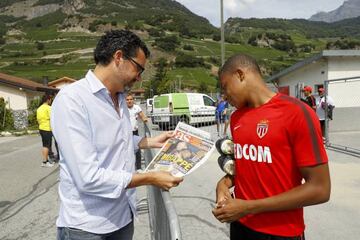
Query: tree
[
  {"x": 203, "y": 87},
  {"x": 169, "y": 43},
  {"x": 216, "y": 37},
  {"x": 188, "y": 47},
  {"x": 6, "y": 116},
  {"x": 154, "y": 85},
  {"x": 40, "y": 46},
  {"x": 34, "y": 104},
  {"x": 184, "y": 60}
]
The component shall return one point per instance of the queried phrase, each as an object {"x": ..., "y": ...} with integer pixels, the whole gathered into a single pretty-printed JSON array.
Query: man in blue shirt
[
  {"x": 91, "y": 123},
  {"x": 221, "y": 114}
]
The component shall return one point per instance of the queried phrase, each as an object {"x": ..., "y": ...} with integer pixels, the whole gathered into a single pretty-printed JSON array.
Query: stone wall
[{"x": 20, "y": 118}]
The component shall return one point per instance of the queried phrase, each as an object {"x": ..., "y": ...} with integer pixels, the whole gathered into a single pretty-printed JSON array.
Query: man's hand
[
  {"x": 165, "y": 180},
  {"x": 160, "y": 179},
  {"x": 230, "y": 210},
  {"x": 157, "y": 141}
]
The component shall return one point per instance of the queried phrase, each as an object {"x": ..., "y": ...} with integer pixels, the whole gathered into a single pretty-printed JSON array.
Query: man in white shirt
[
  {"x": 91, "y": 123},
  {"x": 320, "y": 108},
  {"x": 135, "y": 113}
]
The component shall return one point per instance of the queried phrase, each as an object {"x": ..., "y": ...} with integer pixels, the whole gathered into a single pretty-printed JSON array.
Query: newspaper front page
[{"x": 186, "y": 151}]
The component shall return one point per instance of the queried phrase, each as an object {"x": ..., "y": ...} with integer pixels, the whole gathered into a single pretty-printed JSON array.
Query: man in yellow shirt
[{"x": 43, "y": 119}]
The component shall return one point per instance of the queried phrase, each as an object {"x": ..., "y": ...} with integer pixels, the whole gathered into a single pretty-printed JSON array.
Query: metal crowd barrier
[
  {"x": 204, "y": 119},
  {"x": 164, "y": 223}
]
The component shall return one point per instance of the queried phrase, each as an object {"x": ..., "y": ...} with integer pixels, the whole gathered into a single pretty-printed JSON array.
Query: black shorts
[
  {"x": 241, "y": 232},
  {"x": 46, "y": 137}
]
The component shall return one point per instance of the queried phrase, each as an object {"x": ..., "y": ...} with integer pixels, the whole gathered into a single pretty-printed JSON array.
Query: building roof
[
  {"x": 315, "y": 58},
  {"x": 139, "y": 90},
  {"x": 60, "y": 80},
  {"x": 25, "y": 83}
]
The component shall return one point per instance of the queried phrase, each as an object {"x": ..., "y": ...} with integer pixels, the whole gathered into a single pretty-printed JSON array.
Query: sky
[{"x": 289, "y": 9}]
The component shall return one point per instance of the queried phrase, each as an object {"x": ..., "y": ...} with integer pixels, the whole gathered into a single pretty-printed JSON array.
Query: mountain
[
  {"x": 349, "y": 9},
  {"x": 85, "y": 15},
  {"x": 55, "y": 38},
  {"x": 311, "y": 29}
]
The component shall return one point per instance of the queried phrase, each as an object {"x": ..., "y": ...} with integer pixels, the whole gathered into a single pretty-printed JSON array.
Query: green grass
[
  {"x": 211, "y": 48},
  {"x": 74, "y": 70},
  {"x": 192, "y": 77},
  {"x": 43, "y": 33},
  {"x": 28, "y": 57}
]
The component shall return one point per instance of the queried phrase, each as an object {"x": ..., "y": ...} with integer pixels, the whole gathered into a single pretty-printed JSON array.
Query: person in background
[
  {"x": 309, "y": 98},
  {"x": 227, "y": 114},
  {"x": 320, "y": 109},
  {"x": 54, "y": 157},
  {"x": 43, "y": 119},
  {"x": 281, "y": 164},
  {"x": 221, "y": 114},
  {"x": 135, "y": 113},
  {"x": 91, "y": 123}
]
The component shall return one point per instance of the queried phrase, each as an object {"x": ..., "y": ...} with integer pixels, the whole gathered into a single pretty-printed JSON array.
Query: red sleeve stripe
[{"x": 311, "y": 127}]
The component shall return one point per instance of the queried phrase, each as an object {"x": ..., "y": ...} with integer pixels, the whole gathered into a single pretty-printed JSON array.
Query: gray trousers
[{"x": 125, "y": 233}]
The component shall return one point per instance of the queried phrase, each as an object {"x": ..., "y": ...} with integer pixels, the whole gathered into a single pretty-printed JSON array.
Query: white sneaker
[{"x": 47, "y": 164}]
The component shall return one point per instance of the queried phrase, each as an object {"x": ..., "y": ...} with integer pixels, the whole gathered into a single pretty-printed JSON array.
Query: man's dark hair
[
  {"x": 115, "y": 40},
  {"x": 240, "y": 60}
]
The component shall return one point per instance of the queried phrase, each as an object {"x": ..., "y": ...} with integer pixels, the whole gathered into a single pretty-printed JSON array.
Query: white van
[
  {"x": 191, "y": 108},
  {"x": 149, "y": 106}
]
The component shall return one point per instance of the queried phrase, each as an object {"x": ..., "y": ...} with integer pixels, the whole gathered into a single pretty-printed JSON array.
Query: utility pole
[
  {"x": 222, "y": 32},
  {"x": 179, "y": 77}
]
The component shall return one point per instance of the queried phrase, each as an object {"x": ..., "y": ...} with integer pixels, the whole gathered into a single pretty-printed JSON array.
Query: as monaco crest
[{"x": 262, "y": 128}]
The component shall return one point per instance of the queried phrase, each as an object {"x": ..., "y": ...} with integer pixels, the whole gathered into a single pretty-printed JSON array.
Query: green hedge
[{"x": 8, "y": 122}]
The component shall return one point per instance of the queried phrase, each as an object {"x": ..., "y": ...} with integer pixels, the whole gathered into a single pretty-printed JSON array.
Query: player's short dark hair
[
  {"x": 240, "y": 60},
  {"x": 115, "y": 40}
]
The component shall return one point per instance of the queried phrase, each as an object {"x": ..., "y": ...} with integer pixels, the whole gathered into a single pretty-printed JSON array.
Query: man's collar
[{"x": 94, "y": 82}]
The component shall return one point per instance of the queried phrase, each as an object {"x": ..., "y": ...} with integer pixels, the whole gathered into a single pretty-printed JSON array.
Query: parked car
[{"x": 191, "y": 108}]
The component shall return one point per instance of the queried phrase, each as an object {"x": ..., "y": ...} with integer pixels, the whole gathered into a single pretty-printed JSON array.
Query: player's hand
[
  {"x": 165, "y": 180},
  {"x": 230, "y": 210},
  {"x": 222, "y": 193}
]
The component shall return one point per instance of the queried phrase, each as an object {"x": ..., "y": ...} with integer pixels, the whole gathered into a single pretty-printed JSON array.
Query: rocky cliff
[{"x": 349, "y": 9}]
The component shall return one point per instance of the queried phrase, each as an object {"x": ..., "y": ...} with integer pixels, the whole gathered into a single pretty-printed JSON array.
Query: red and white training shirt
[{"x": 272, "y": 142}]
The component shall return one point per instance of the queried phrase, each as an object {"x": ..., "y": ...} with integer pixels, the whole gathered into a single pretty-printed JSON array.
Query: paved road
[{"x": 29, "y": 200}]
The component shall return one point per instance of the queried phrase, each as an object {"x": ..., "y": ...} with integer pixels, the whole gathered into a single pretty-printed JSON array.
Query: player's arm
[
  {"x": 222, "y": 189},
  {"x": 315, "y": 190}
]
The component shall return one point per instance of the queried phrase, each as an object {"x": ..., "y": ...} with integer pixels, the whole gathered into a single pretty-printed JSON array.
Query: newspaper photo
[{"x": 186, "y": 151}]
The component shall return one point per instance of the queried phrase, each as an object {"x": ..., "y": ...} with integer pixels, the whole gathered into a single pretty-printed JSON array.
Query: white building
[
  {"x": 326, "y": 66},
  {"x": 18, "y": 93},
  {"x": 314, "y": 71},
  {"x": 61, "y": 82}
]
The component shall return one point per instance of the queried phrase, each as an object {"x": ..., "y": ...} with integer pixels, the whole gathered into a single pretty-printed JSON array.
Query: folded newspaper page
[{"x": 186, "y": 151}]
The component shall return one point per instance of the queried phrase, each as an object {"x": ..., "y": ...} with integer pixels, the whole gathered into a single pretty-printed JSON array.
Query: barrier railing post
[{"x": 164, "y": 223}]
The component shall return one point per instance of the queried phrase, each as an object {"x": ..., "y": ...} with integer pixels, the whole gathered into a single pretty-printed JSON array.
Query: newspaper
[{"x": 184, "y": 153}]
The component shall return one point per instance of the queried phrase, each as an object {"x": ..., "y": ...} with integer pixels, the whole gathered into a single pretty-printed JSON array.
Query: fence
[
  {"x": 343, "y": 132},
  {"x": 204, "y": 119},
  {"x": 164, "y": 223}
]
